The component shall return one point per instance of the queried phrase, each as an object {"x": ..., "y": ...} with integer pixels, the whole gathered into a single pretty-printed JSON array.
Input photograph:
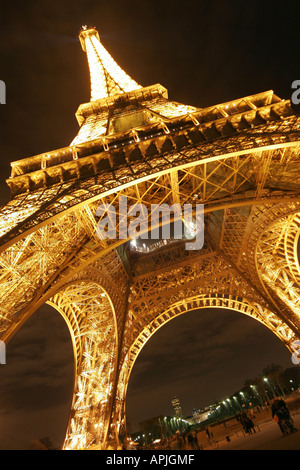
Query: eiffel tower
[{"x": 239, "y": 159}]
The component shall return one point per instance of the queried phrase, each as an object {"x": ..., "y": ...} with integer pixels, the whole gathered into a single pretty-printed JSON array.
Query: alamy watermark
[
  {"x": 2, "y": 92},
  {"x": 2, "y": 352},
  {"x": 296, "y": 353},
  {"x": 160, "y": 222},
  {"x": 295, "y": 98}
]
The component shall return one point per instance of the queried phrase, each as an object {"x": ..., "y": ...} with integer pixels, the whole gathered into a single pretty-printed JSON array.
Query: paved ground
[{"x": 268, "y": 437}]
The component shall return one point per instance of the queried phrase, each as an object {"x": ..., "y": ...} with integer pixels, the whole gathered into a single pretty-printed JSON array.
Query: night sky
[{"x": 204, "y": 53}]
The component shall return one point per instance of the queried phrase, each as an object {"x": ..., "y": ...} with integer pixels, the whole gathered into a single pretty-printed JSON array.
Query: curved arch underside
[{"x": 202, "y": 301}]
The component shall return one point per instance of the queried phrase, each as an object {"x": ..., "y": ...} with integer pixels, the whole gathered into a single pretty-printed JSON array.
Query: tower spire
[{"x": 107, "y": 78}]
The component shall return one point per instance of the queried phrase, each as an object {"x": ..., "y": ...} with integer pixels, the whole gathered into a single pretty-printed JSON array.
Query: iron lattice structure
[{"x": 240, "y": 159}]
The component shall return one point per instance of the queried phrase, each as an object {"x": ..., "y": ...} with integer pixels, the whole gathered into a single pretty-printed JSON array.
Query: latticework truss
[{"x": 240, "y": 160}]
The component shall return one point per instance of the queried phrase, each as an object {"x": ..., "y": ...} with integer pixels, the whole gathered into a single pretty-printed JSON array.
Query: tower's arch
[
  {"x": 216, "y": 301},
  {"x": 206, "y": 301},
  {"x": 277, "y": 265}
]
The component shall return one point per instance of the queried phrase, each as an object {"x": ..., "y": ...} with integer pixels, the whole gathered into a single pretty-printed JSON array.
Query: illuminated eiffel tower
[{"x": 239, "y": 159}]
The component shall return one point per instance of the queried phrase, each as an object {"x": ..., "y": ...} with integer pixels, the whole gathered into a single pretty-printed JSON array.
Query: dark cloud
[{"x": 36, "y": 381}]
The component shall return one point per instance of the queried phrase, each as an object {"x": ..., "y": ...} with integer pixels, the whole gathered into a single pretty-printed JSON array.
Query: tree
[{"x": 274, "y": 371}]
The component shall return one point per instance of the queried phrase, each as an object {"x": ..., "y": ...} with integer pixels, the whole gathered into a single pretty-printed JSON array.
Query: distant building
[
  {"x": 198, "y": 417},
  {"x": 177, "y": 407}
]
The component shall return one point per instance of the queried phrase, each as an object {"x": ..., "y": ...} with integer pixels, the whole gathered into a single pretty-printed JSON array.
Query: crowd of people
[
  {"x": 282, "y": 416},
  {"x": 188, "y": 440},
  {"x": 247, "y": 422}
]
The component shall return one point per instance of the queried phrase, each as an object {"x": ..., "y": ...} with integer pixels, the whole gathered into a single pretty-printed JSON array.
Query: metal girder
[{"x": 24, "y": 213}]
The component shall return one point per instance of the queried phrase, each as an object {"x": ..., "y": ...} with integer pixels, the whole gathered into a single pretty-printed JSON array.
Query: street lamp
[
  {"x": 258, "y": 394},
  {"x": 235, "y": 398},
  {"x": 267, "y": 381}
]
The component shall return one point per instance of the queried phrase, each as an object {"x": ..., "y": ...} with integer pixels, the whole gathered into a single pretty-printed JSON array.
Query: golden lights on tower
[{"x": 107, "y": 78}]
